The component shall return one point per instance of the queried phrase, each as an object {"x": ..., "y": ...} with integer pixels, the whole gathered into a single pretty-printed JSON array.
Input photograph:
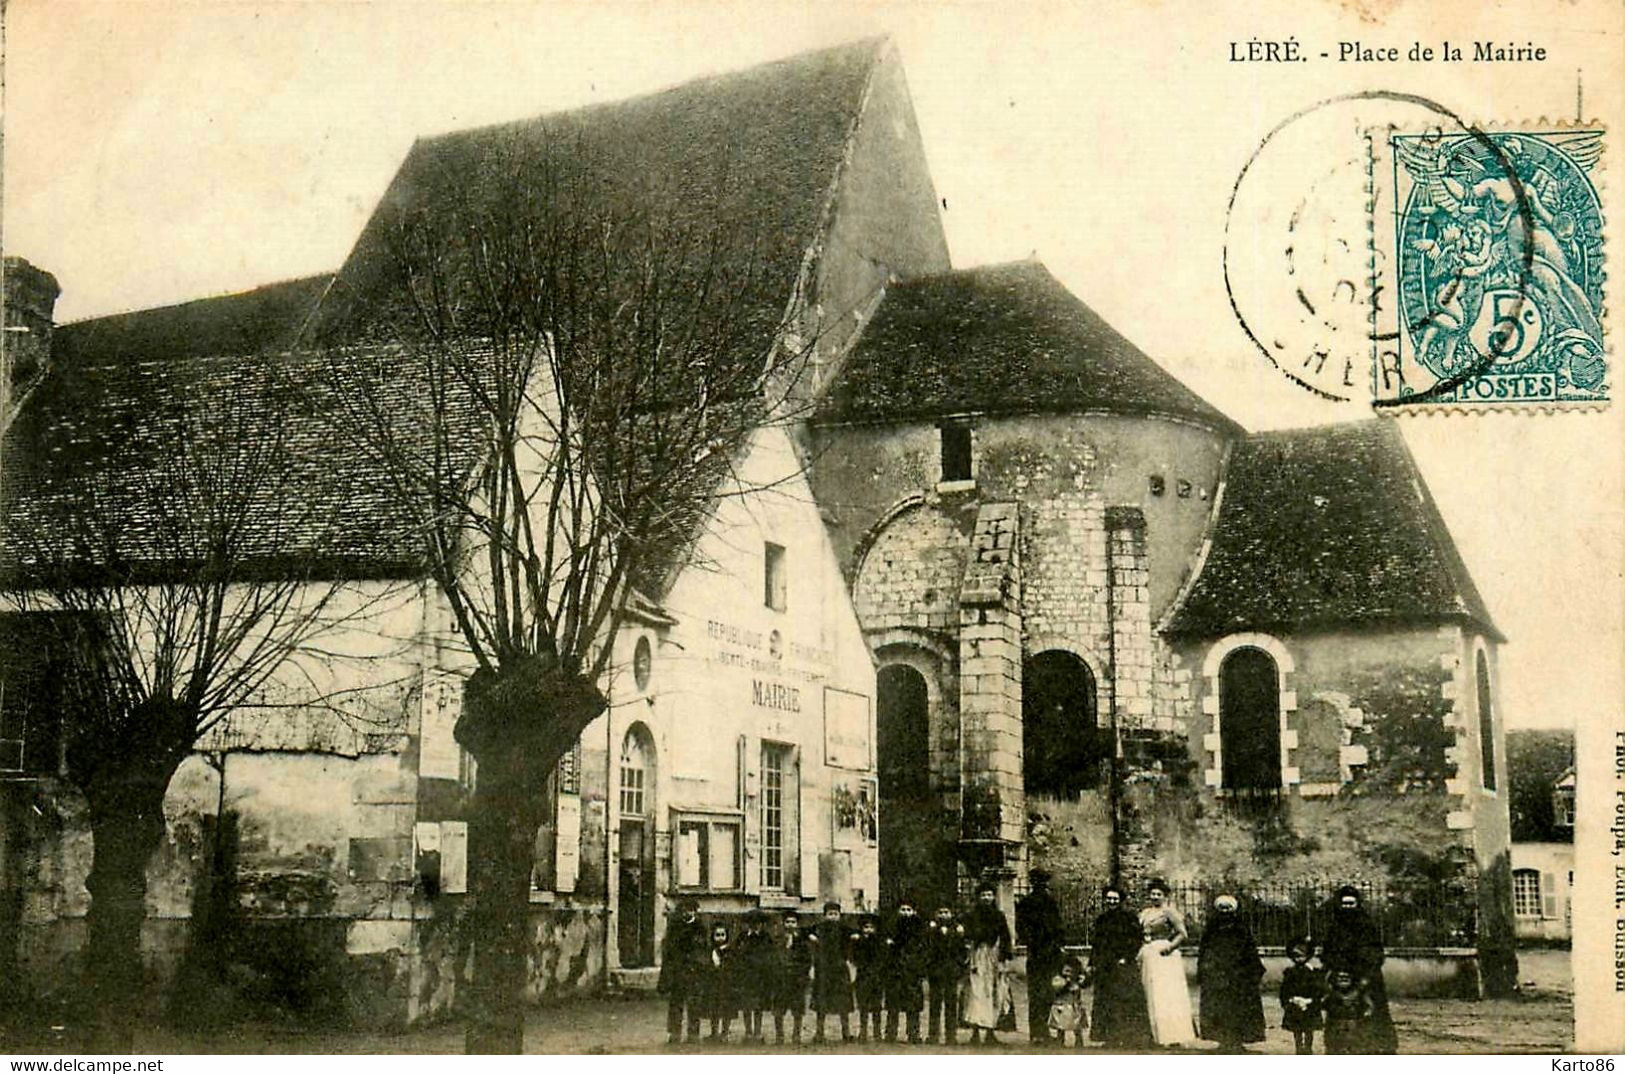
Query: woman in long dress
[
  {"x": 987, "y": 994},
  {"x": 1353, "y": 943},
  {"x": 1230, "y": 972},
  {"x": 1119, "y": 998},
  {"x": 1162, "y": 970}
]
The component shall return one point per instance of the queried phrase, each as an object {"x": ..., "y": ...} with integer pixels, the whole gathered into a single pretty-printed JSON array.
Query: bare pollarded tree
[
  {"x": 169, "y": 541},
  {"x": 556, "y": 362}
]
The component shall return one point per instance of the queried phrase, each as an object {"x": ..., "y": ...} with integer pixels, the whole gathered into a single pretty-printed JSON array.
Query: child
[
  {"x": 947, "y": 956},
  {"x": 832, "y": 980},
  {"x": 1348, "y": 1016},
  {"x": 1302, "y": 990},
  {"x": 756, "y": 960},
  {"x": 1067, "y": 1012},
  {"x": 905, "y": 972},
  {"x": 718, "y": 986},
  {"x": 790, "y": 986},
  {"x": 869, "y": 976}
]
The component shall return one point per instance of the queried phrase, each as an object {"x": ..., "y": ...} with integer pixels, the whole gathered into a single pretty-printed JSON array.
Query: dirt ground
[{"x": 1540, "y": 1020}]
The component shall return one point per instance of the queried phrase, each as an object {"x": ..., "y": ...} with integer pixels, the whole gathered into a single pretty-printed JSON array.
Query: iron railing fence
[{"x": 1421, "y": 917}]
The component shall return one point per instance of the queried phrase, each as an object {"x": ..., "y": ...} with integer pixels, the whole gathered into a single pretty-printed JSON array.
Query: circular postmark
[{"x": 1354, "y": 288}]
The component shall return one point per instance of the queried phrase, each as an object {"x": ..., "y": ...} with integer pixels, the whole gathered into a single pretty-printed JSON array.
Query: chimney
[{"x": 29, "y": 299}]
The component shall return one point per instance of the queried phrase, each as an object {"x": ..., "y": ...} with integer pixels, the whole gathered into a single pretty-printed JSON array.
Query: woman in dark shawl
[
  {"x": 1352, "y": 943},
  {"x": 1230, "y": 972},
  {"x": 1119, "y": 1010}
]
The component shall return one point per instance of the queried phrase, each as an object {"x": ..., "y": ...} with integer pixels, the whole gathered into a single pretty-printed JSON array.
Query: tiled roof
[
  {"x": 252, "y": 322},
  {"x": 142, "y": 459},
  {"x": 1323, "y": 528},
  {"x": 748, "y": 158},
  {"x": 999, "y": 339},
  {"x": 751, "y": 155}
]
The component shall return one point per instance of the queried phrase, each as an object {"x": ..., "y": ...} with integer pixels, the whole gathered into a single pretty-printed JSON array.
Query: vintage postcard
[{"x": 874, "y": 528}]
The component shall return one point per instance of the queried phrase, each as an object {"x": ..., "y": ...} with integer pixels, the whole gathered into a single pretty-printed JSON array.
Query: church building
[{"x": 1007, "y": 594}]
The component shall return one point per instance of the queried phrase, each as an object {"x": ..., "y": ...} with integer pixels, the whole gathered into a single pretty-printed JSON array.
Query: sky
[{"x": 157, "y": 153}]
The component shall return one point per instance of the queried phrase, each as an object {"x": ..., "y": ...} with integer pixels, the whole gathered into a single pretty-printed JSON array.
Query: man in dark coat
[
  {"x": 1038, "y": 926},
  {"x": 683, "y": 961},
  {"x": 947, "y": 955},
  {"x": 905, "y": 971},
  {"x": 1119, "y": 1014},
  {"x": 1230, "y": 974},
  {"x": 756, "y": 958},
  {"x": 790, "y": 989},
  {"x": 832, "y": 980},
  {"x": 1352, "y": 943}
]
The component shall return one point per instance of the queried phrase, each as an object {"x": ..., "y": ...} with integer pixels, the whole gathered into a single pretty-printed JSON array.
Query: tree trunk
[
  {"x": 501, "y": 840},
  {"x": 517, "y": 724},
  {"x": 124, "y": 771},
  {"x": 126, "y": 825}
]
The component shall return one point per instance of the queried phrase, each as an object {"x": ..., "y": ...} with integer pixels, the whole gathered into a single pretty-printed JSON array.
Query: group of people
[
  {"x": 1141, "y": 995},
  {"x": 954, "y": 965},
  {"x": 959, "y": 970}
]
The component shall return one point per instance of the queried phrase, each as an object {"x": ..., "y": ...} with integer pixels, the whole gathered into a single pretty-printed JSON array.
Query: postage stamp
[{"x": 1487, "y": 268}]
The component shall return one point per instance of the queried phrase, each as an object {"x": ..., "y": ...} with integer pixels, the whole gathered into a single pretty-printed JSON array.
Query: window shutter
[{"x": 1548, "y": 893}]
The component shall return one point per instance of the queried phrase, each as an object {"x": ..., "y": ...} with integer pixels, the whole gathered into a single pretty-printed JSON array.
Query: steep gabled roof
[
  {"x": 251, "y": 322},
  {"x": 1323, "y": 528},
  {"x": 999, "y": 339},
  {"x": 750, "y": 157},
  {"x": 753, "y": 154}
]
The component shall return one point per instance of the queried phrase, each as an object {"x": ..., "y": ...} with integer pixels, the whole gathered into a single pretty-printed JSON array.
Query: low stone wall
[
  {"x": 567, "y": 957},
  {"x": 376, "y": 973}
]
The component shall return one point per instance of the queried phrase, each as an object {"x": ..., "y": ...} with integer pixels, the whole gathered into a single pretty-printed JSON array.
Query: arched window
[
  {"x": 1250, "y": 721},
  {"x": 1062, "y": 749},
  {"x": 635, "y": 789},
  {"x": 902, "y": 717},
  {"x": 1486, "y": 722}
]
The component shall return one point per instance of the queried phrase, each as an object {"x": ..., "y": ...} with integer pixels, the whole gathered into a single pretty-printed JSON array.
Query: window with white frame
[
  {"x": 634, "y": 772},
  {"x": 707, "y": 852},
  {"x": 778, "y": 806},
  {"x": 1526, "y": 892}
]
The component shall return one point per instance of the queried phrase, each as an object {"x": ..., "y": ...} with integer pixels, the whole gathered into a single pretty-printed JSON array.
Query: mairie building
[{"x": 1010, "y": 595}]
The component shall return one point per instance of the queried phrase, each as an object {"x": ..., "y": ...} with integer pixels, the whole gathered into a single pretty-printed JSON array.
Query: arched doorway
[
  {"x": 902, "y": 716},
  {"x": 1063, "y": 750},
  {"x": 1250, "y": 722},
  {"x": 909, "y": 817},
  {"x": 635, "y": 904}
]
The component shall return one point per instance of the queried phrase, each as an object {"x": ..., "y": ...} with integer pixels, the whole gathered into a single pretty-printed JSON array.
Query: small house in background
[{"x": 1540, "y": 765}]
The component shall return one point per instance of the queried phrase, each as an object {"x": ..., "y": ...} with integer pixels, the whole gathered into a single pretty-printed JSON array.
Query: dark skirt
[
  {"x": 1119, "y": 1009},
  {"x": 1232, "y": 1010}
]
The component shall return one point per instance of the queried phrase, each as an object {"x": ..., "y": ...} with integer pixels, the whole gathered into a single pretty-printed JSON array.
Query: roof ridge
[
  {"x": 1325, "y": 426},
  {"x": 223, "y": 295},
  {"x": 1031, "y": 260},
  {"x": 875, "y": 42}
]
